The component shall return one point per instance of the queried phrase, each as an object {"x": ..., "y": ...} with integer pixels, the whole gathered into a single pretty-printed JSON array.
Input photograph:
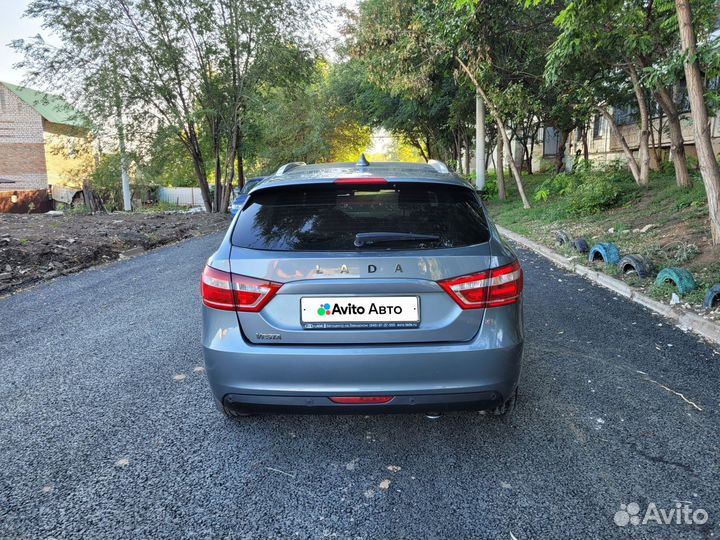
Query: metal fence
[{"x": 186, "y": 196}]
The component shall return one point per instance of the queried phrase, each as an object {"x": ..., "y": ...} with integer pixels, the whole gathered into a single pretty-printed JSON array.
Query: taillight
[
  {"x": 361, "y": 181},
  {"x": 492, "y": 288},
  {"x": 361, "y": 400},
  {"x": 233, "y": 292}
]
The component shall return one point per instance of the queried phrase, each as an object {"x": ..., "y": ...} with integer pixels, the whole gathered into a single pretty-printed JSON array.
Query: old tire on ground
[
  {"x": 630, "y": 264},
  {"x": 681, "y": 278},
  {"x": 581, "y": 246},
  {"x": 712, "y": 298},
  {"x": 608, "y": 253},
  {"x": 561, "y": 238}
]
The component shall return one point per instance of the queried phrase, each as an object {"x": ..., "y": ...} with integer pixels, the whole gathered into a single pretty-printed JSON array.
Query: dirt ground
[{"x": 38, "y": 247}]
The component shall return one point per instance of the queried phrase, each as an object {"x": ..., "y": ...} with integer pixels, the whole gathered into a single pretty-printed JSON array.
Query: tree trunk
[
  {"x": 513, "y": 166},
  {"x": 189, "y": 139},
  {"x": 706, "y": 156},
  {"x": 501, "y": 127},
  {"x": 527, "y": 157},
  {"x": 457, "y": 152},
  {"x": 677, "y": 141},
  {"x": 560, "y": 155},
  {"x": 218, "y": 178},
  {"x": 586, "y": 148},
  {"x": 229, "y": 177},
  {"x": 240, "y": 170},
  {"x": 91, "y": 200},
  {"x": 500, "y": 166},
  {"x": 644, "y": 136},
  {"x": 632, "y": 162},
  {"x": 122, "y": 149},
  {"x": 467, "y": 154},
  {"x": 532, "y": 146},
  {"x": 654, "y": 159}
]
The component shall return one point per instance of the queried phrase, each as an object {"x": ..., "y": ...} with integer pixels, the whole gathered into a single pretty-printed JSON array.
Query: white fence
[{"x": 187, "y": 196}]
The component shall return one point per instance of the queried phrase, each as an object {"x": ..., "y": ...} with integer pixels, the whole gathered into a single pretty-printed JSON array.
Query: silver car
[{"x": 363, "y": 288}]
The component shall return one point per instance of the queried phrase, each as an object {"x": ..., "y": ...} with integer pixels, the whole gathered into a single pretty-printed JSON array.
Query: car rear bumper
[
  {"x": 474, "y": 375},
  {"x": 251, "y": 403}
]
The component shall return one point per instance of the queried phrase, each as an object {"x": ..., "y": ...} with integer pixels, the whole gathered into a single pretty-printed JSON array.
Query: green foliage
[
  {"x": 588, "y": 191},
  {"x": 77, "y": 210},
  {"x": 168, "y": 163},
  {"x": 592, "y": 197},
  {"x": 560, "y": 184},
  {"x": 490, "y": 189},
  {"x": 189, "y": 67},
  {"x": 308, "y": 122}
]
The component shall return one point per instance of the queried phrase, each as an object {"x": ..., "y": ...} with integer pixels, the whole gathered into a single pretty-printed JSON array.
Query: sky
[{"x": 14, "y": 26}]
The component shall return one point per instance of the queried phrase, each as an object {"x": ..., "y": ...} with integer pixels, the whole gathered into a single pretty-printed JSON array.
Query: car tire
[
  {"x": 507, "y": 408},
  {"x": 635, "y": 264}
]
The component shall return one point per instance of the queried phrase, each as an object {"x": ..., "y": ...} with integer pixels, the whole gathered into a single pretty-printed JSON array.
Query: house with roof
[{"x": 39, "y": 134}]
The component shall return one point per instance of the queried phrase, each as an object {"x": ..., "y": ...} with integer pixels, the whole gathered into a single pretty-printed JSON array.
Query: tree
[
  {"x": 701, "y": 125},
  {"x": 408, "y": 47},
  {"x": 593, "y": 40},
  {"x": 189, "y": 65},
  {"x": 430, "y": 122},
  {"x": 501, "y": 46},
  {"x": 656, "y": 44},
  {"x": 85, "y": 68},
  {"x": 304, "y": 123}
]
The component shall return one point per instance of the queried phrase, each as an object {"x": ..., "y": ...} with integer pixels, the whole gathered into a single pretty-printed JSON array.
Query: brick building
[{"x": 30, "y": 122}]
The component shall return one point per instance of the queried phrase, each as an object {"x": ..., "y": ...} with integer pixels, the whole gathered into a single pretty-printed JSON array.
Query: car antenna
[{"x": 362, "y": 162}]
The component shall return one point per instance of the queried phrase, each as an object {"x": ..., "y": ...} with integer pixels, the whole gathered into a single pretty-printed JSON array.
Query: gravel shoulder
[{"x": 108, "y": 428}]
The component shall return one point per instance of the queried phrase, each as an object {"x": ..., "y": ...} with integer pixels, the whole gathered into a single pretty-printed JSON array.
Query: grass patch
[{"x": 607, "y": 206}]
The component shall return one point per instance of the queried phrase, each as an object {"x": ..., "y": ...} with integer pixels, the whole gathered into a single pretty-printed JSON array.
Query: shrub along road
[{"x": 108, "y": 429}]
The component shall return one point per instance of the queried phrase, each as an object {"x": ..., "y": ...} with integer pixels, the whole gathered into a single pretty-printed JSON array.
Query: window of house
[
  {"x": 597, "y": 126},
  {"x": 3, "y": 103},
  {"x": 627, "y": 114}
]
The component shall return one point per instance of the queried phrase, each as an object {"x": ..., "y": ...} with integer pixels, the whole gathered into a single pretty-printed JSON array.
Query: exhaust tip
[{"x": 433, "y": 415}]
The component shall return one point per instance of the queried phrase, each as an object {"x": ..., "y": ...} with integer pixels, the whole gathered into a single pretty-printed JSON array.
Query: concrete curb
[{"x": 685, "y": 321}]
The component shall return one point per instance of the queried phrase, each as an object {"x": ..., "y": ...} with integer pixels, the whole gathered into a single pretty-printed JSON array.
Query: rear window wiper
[{"x": 369, "y": 238}]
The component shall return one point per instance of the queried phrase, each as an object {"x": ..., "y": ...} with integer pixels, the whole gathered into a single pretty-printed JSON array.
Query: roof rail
[
  {"x": 439, "y": 166},
  {"x": 288, "y": 167}
]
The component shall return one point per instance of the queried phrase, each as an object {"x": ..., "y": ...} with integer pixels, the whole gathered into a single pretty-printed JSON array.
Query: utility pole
[
  {"x": 120, "y": 126},
  {"x": 479, "y": 142}
]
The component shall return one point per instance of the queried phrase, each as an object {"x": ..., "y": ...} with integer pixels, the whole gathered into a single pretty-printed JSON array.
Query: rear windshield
[{"x": 330, "y": 217}]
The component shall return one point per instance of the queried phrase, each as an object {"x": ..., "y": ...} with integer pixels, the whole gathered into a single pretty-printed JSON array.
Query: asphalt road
[{"x": 107, "y": 428}]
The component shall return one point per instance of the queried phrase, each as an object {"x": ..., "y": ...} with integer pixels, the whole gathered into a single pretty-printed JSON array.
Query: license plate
[{"x": 335, "y": 312}]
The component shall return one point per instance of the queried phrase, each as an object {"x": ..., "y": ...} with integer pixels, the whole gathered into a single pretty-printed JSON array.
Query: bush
[
  {"x": 561, "y": 184},
  {"x": 588, "y": 191},
  {"x": 490, "y": 190},
  {"x": 594, "y": 196},
  {"x": 545, "y": 165}
]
